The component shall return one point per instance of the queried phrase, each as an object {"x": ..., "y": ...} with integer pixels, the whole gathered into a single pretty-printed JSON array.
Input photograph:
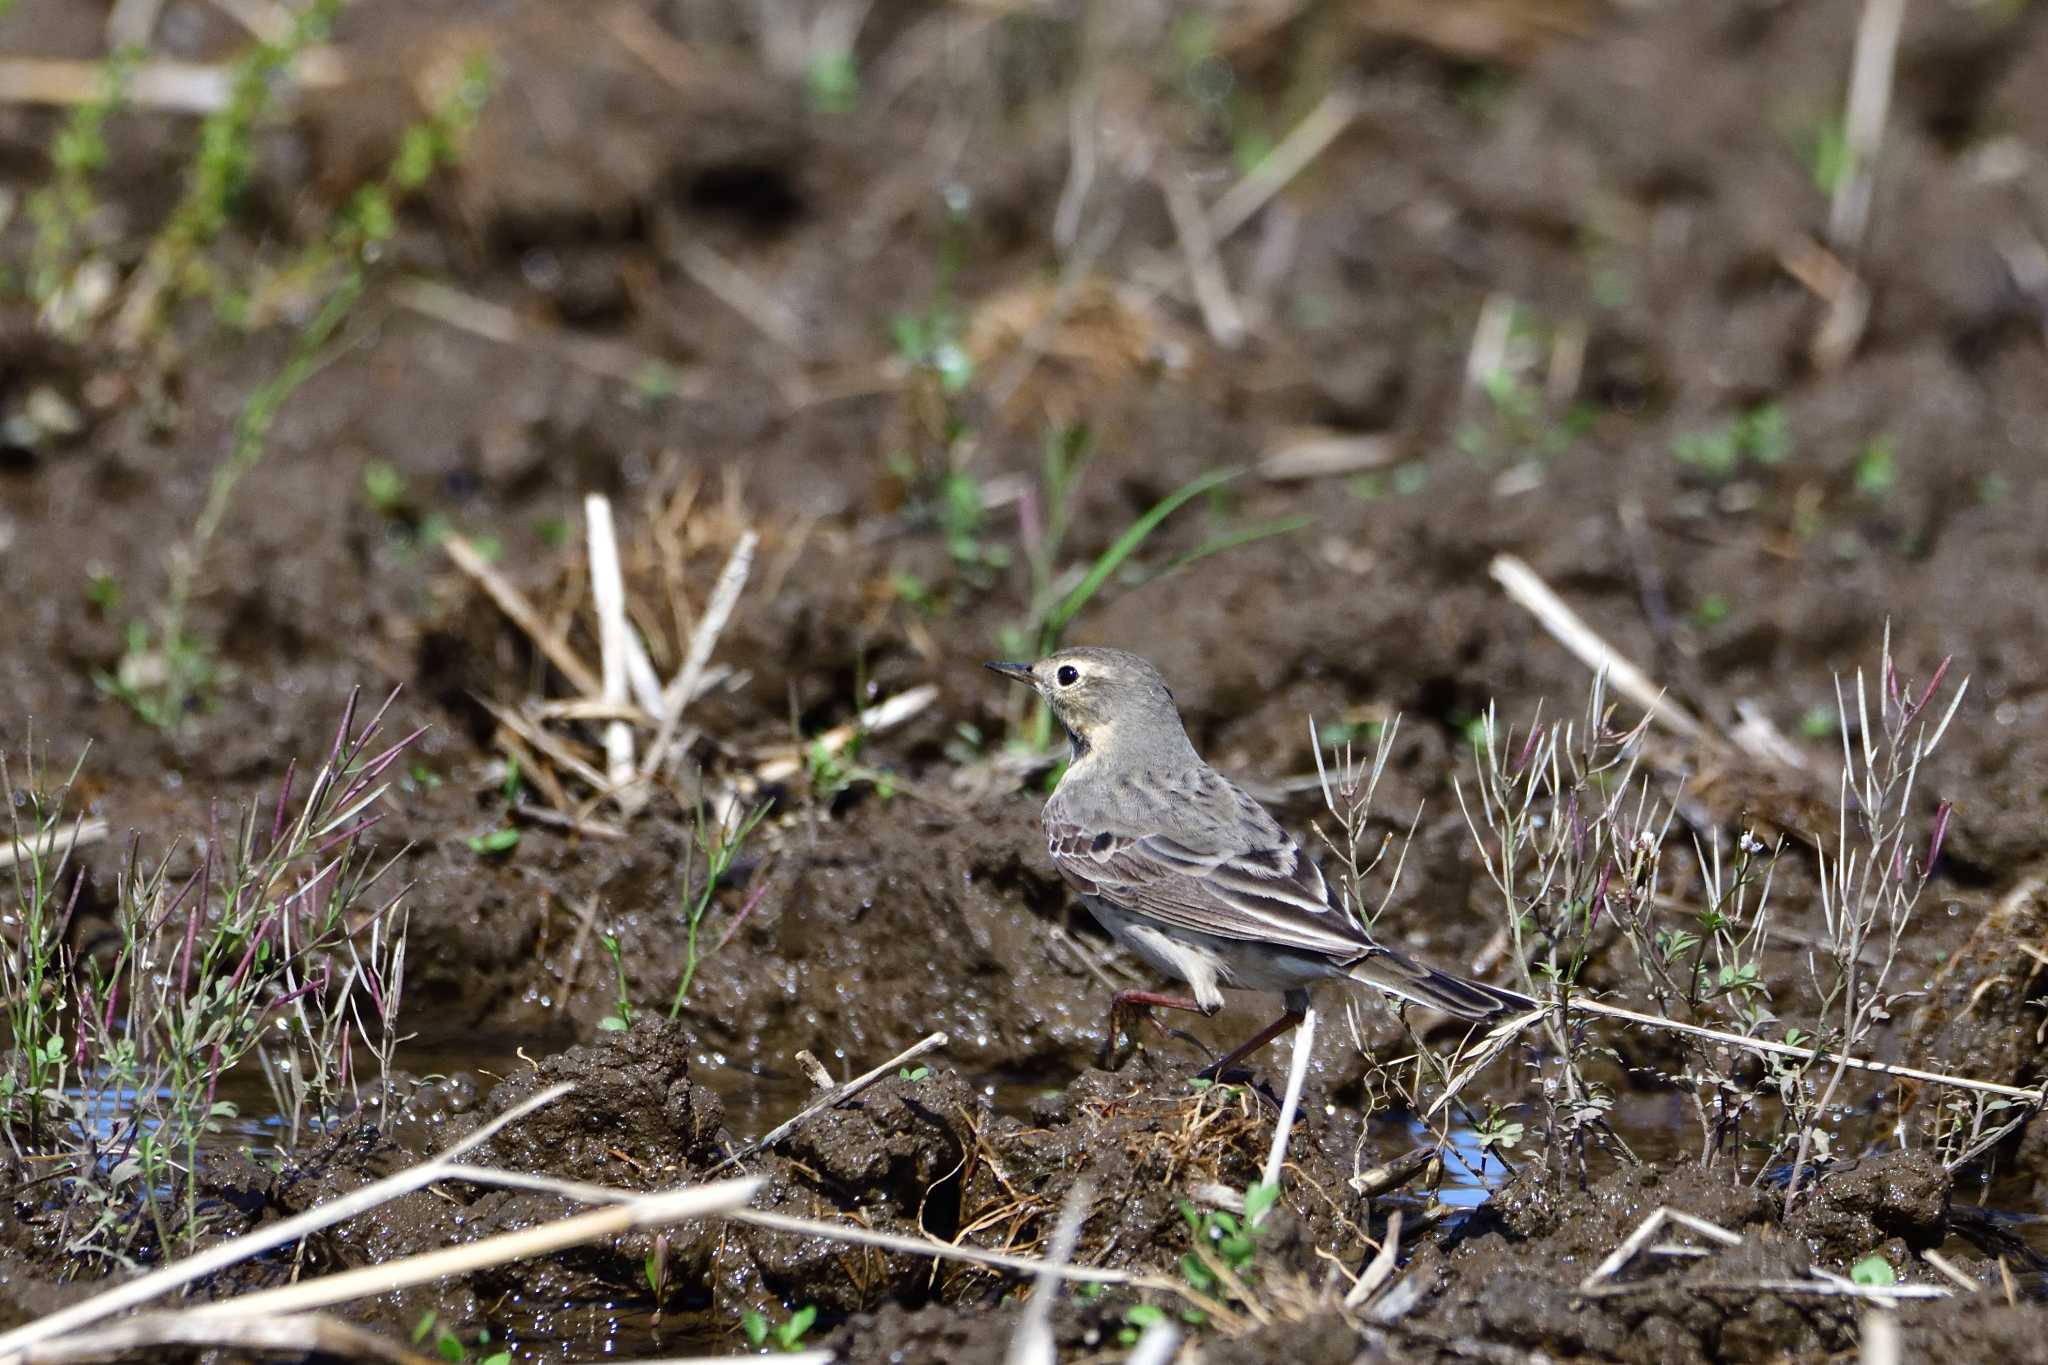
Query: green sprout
[
  {"x": 717, "y": 845},
  {"x": 62, "y": 210},
  {"x": 1877, "y": 468},
  {"x": 494, "y": 844},
  {"x": 451, "y": 1348},
  {"x": 1759, "y": 436},
  {"x": 621, "y": 1017},
  {"x": 786, "y": 1336},
  {"x": 833, "y": 83}
]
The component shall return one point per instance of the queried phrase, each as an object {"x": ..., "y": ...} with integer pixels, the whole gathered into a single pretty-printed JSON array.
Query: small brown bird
[{"x": 1192, "y": 874}]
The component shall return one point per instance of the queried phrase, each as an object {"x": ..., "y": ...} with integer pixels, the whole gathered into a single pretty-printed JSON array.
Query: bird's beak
[{"x": 1014, "y": 672}]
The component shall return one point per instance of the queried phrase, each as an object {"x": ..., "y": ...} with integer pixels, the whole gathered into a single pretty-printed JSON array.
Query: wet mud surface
[{"x": 1636, "y": 180}]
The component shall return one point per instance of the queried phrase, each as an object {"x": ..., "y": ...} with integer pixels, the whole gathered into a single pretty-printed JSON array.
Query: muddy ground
[{"x": 1639, "y": 183}]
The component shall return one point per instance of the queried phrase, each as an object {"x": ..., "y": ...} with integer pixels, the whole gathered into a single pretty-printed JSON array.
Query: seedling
[
  {"x": 1877, "y": 469},
  {"x": 1138, "y": 1318},
  {"x": 451, "y": 1348},
  {"x": 621, "y": 1017},
  {"x": 494, "y": 844},
  {"x": 1759, "y": 436},
  {"x": 1496, "y": 1133},
  {"x": 62, "y": 210},
  {"x": 717, "y": 846},
  {"x": 384, "y": 488},
  {"x": 786, "y": 1336}
]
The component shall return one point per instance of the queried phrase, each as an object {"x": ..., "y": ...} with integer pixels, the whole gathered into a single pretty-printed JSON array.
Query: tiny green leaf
[
  {"x": 496, "y": 842},
  {"x": 1873, "y": 1271}
]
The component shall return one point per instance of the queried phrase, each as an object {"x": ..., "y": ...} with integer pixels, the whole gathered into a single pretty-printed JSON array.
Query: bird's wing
[{"x": 1236, "y": 878}]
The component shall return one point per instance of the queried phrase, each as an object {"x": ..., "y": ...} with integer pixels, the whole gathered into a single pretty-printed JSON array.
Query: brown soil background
[{"x": 1637, "y": 173}]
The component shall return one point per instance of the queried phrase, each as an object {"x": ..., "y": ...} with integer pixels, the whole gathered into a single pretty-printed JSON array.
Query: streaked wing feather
[{"x": 1269, "y": 895}]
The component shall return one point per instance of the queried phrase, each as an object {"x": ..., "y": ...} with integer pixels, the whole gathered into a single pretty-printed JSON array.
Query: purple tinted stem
[
  {"x": 1927, "y": 692},
  {"x": 1941, "y": 819},
  {"x": 284, "y": 796}
]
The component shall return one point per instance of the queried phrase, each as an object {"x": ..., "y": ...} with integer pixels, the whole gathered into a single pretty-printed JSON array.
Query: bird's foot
[{"x": 1136, "y": 1003}]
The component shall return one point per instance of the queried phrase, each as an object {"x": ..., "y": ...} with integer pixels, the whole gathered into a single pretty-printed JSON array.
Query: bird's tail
[{"x": 1410, "y": 980}]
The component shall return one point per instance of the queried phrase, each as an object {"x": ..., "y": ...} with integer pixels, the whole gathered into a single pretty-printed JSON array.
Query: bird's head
[{"x": 1106, "y": 698}]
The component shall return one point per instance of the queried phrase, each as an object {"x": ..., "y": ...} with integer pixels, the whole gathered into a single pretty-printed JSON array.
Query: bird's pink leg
[
  {"x": 1216, "y": 1069},
  {"x": 1138, "y": 1000}
]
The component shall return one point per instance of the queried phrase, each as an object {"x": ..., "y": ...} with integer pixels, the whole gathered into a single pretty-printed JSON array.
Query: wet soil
[{"x": 1639, "y": 182}]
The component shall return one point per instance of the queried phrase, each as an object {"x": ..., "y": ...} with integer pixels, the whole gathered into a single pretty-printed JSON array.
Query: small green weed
[
  {"x": 1877, "y": 469},
  {"x": 1137, "y": 1319},
  {"x": 786, "y": 1336},
  {"x": 1497, "y": 1133},
  {"x": 717, "y": 846},
  {"x": 1226, "y": 1237},
  {"x": 102, "y": 590},
  {"x": 1059, "y": 593},
  {"x": 271, "y": 952},
  {"x": 833, "y": 83},
  {"x": 62, "y": 210},
  {"x": 384, "y": 489},
  {"x": 430, "y": 1333},
  {"x": 494, "y": 844},
  {"x": 621, "y": 1017},
  {"x": 167, "y": 667},
  {"x": 1759, "y": 436}
]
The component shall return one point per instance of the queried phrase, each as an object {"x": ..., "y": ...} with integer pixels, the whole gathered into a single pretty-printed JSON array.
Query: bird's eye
[{"x": 1068, "y": 675}]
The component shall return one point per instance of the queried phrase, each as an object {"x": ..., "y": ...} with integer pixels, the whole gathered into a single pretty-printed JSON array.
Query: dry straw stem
[
  {"x": 546, "y": 743},
  {"x": 146, "y": 1287},
  {"x": 162, "y": 86},
  {"x": 1032, "y": 1341},
  {"x": 1220, "y": 313},
  {"x": 594, "y": 355},
  {"x": 295, "y": 1335},
  {"x": 1911, "y": 1073},
  {"x": 1570, "y": 629},
  {"x": 742, "y": 293},
  {"x": 1292, "y": 155},
  {"x": 1881, "y": 1344},
  {"x": 1642, "y": 1236},
  {"x": 1157, "y": 1346},
  {"x": 834, "y": 1097},
  {"x": 1870, "y": 98},
  {"x": 882, "y": 716},
  {"x": 946, "y": 1251},
  {"x": 1297, "y": 1074},
  {"x": 1382, "y": 1267},
  {"x": 81, "y": 833},
  {"x": 1825, "y": 1284},
  {"x": 523, "y": 614},
  {"x": 622, "y": 1216},
  {"x": 1505, "y": 1032},
  {"x": 608, "y": 593},
  {"x": 1319, "y": 453},
  {"x": 725, "y": 595},
  {"x": 811, "y": 1227}
]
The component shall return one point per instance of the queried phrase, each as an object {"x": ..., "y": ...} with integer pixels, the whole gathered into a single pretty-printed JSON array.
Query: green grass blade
[
  {"x": 1230, "y": 540},
  {"x": 1125, "y": 546}
]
